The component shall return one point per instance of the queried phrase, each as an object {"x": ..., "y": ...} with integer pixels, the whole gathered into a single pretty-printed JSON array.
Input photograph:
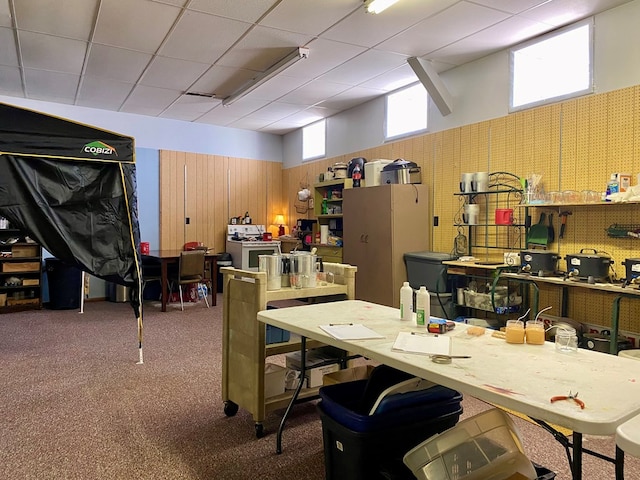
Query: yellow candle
[
  {"x": 535, "y": 333},
  {"x": 514, "y": 331}
]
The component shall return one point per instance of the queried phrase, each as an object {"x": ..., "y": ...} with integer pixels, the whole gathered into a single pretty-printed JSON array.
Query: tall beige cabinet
[{"x": 381, "y": 224}]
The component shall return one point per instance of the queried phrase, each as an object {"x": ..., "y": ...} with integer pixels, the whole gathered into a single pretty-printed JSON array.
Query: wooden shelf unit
[
  {"x": 244, "y": 348},
  {"x": 20, "y": 273}
]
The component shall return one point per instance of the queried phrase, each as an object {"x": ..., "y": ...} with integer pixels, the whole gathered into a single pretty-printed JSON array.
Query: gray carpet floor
[{"x": 75, "y": 405}]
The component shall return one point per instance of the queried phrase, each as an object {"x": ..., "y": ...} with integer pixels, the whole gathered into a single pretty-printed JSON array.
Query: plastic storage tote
[
  {"x": 486, "y": 446},
  {"x": 359, "y": 446}
]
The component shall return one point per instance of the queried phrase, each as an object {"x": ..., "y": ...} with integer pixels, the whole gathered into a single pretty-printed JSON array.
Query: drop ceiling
[{"x": 144, "y": 56}]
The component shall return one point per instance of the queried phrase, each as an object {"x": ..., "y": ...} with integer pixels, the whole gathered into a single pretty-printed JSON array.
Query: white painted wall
[{"x": 480, "y": 89}]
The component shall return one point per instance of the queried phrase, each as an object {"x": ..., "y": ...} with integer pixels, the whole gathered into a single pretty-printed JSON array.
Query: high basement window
[
  {"x": 553, "y": 67},
  {"x": 406, "y": 111}
]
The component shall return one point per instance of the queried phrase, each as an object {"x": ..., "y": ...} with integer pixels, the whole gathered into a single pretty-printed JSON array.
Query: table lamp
[{"x": 280, "y": 221}]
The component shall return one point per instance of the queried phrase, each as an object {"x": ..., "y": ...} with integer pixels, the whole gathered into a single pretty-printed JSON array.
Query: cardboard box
[
  {"x": 319, "y": 362},
  {"x": 3, "y": 299},
  {"x": 21, "y": 251},
  {"x": 15, "y": 267},
  {"x": 273, "y": 379},
  {"x": 30, "y": 282},
  {"x": 361, "y": 372}
]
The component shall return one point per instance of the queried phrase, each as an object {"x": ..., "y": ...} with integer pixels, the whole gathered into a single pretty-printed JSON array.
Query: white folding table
[{"x": 522, "y": 377}]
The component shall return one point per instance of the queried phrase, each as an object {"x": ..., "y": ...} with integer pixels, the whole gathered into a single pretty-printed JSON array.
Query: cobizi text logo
[{"x": 99, "y": 148}]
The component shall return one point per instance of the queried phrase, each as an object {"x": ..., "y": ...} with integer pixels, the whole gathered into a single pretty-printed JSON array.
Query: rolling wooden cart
[{"x": 244, "y": 347}]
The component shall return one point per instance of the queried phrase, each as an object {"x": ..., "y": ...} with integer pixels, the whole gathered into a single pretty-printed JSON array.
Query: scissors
[{"x": 443, "y": 359}]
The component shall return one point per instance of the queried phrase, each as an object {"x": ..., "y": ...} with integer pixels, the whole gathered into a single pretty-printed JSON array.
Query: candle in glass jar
[
  {"x": 514, "y": 333},
  {"x": 535, "y": 333}
]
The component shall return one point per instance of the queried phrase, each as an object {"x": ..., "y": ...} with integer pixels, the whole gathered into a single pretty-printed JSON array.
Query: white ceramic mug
[
  {"x": 465, "y": 182},
  {"x": 480, "y": 182}
]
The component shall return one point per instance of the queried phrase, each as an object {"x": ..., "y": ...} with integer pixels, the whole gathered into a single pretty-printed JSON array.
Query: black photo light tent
[{"x": 72, "y": 188}]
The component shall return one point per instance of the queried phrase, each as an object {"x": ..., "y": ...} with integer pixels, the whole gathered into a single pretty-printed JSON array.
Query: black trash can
[
  {"x": 64, "y": 284},
  {"x": 223, "y": 260},
  {"x": 366, "y": 432}
]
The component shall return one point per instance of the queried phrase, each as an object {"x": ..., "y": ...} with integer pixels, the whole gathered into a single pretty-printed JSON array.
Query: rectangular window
[
  {"x": 313, "y": 140},
  {"x": 406, "y": 111},
  {"x": 555, "y": 67}
]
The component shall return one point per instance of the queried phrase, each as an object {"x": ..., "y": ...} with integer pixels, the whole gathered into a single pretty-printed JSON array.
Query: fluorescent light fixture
[
  {"x": 377, "y": 6},
  {"x": 255, "y": 82}
]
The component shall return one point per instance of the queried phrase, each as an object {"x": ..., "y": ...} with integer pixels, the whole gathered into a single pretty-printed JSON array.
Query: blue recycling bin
[
  {"x": 361, "y": 444},
  {"x": 64, "y": 284}
]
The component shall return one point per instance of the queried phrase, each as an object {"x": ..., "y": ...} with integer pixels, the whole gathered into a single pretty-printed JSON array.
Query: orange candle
[
  {"x": 514, "y": 331},
  {"x": 535, "y": 333}
]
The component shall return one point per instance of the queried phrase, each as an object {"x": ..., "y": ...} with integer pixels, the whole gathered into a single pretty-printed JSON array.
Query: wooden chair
[{"x": 190, "y": 270}]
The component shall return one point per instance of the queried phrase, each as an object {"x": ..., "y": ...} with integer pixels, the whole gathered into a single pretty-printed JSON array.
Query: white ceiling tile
[
  {"x": 42, "y": 85},
  {"x": 245, "y": 10},
  {"x": 277, "y": 87},
  {"x": 309, "y": 16},
  {"x": 135, "y": 24},
  {"x": 362, "y": 28},
  {"x": 392, "y": 79},
  {"x": 52, "y": 53},
  {"x": 190, "y": 108},
  {"x": 202, "y": 37},
  {"x": 100, "y": 92},
  {"x": 243, "y": 107},
  {"x": 250, "y": 123},
  {"x": 222, "y": 81},
  {"x": 219, "y": 116},
  {"x": 10, "y": 81},
  {"x": 172, "y": 73},
  {"x": 490, "y": 40},
  {"x": 363, "y": 67},
  {"x": 52, "y": 17},
  {"x": 116, "y": 63},
  {"x": 263, "y": 47},
  {"x": 459, "y": 21},
  {"x": 511, "y": 6},
  {"x": 8, "y": 51},
  {"x": 5, "y": 14},
  {"x": 314, "y": 92},
  {"x": 157, "y": 99},
  {"x": 560, "y": 13},
  {"x": 276, "y": 111},
  {"x": 350, "y": 98},
  {"x": 324, "y": 55}
]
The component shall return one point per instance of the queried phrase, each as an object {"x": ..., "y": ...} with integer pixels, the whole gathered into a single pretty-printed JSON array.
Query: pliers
[{"x": 571, "y": 396}]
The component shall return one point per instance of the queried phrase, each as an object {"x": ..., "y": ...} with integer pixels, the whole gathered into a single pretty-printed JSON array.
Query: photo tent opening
[{"x": 72, "y": 188}]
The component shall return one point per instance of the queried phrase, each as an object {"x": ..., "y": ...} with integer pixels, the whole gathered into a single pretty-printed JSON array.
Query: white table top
[
  {"x": 519, "y": 377},
  {"x": 628, "y": 436}
]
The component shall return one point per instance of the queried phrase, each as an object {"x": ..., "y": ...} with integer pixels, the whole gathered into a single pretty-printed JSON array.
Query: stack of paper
[
  {"x": 425, "y": 344},
  {"x": 350, "y": 331}
]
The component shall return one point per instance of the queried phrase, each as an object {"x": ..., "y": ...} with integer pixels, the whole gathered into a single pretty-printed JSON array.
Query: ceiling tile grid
[{"x": 148, "y": 56}]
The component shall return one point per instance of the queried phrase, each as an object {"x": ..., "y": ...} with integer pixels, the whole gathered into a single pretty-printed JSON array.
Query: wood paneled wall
[
  {"x": 574, "y": 145},
  {"x": 209, "y": 189}
]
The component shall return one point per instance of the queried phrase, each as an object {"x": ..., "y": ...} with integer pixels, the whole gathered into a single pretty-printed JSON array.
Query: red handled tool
[{"x": 571, "y": 396}]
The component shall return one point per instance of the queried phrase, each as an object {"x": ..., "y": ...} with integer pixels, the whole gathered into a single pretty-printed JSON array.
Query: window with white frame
[
  {"x": 406, "y": 111},
  {"x": 313, "y": 140},
  {"x": 555, "y": 67}
]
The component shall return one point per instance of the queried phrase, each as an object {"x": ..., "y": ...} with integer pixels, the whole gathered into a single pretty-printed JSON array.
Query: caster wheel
[
  {"x": 230, "y": 408},
  {"x": 259, "y": 430}
]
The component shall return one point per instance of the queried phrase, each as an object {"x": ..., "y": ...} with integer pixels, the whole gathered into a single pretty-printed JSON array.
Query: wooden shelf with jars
[
  {"x": 328, "y": 210},
  {"x": 20, "y": 272}
]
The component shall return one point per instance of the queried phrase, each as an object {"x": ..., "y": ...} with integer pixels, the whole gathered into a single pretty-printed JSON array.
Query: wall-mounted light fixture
[
  {"x": 272, "y": 71},
  {"x": 377, "y": 6}
]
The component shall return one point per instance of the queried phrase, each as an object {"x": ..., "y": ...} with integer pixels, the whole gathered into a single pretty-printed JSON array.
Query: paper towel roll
[{"x": 324, "y": 234}]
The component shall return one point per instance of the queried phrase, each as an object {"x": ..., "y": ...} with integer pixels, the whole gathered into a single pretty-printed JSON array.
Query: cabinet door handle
[{"x": 366, "y": 238}]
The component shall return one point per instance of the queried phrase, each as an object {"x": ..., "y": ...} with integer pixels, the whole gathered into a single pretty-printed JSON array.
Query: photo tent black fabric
[{"x": 72, "y": 188}]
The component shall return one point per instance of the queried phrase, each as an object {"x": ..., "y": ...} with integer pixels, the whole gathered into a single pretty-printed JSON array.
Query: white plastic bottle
[
  {"x": 406, "y": 301},
  {"x": 423, "y": 306}
]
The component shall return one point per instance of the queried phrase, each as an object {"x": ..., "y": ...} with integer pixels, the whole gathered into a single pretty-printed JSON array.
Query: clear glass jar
[{"x": 566, "y": 340}]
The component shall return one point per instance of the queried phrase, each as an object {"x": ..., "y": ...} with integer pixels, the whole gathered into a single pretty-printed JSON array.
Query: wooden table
[
  {"x": 522, "y": 378},
  {"x": 173, "y": 256}
]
